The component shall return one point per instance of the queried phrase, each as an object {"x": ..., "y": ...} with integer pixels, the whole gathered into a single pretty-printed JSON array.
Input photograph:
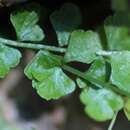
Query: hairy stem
[
  {"x": 113, "y": 121},
  {"x": 31, "y": 45}
]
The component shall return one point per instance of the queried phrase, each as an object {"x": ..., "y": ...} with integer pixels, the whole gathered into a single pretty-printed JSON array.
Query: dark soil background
[{"x": 66, "y": 113}]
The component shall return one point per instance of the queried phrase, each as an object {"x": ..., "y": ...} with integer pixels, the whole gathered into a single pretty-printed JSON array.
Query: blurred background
[{"x": 20, "y": 106}]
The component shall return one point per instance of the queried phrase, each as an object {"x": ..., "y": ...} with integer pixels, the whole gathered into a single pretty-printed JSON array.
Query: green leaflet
[
  {"x": 127, "y": 108},
  {"x": 97, "y": 70},
  {"x": 81, "y": 83},
  {"x": 25, "y": 24},
  {"x": 42, "y": 62},
  {"x": 47, "y": 77},
  {"x": 64, "y": 21},
  {"x": 9, "y": 58},
  {"x": 83, "y": 46},
  {"x": 104, "y": 100},
  {"x": 101, "y": 104},
  {"x": 54, "y": 86},
  {"x": 120, "y": 75},
  {"x": 117, "y": 31}
]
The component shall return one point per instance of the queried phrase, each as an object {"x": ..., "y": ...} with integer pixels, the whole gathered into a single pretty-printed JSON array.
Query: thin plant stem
[
  {"x": 94, "y": 81},
  {"x": 105, "y": 53},
  {"x": 98, "y": 83},
  {"x": 31, "y": 45},
  {"x": 113, "y": 121}
]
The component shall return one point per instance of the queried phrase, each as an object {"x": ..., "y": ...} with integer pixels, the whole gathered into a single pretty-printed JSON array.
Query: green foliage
[
  {"x": 9, "y": 58},
  {"x": 97, "y": 69},
  {"x": 120, "y": 75},
  {"x": 127, "y": 108},
  {"x": 47, "y": 77},
  {"x": 117, "y": 31},
  {"x": 83, "y": 46},
  {"x": 119, "y": 5},
  {"x": 25, "y": 24},
  {"x": 81, "y": 83},
  {"x": 64, "y": 21},
  {"x": 101, "y": 104},
  {"x": 105, "y": 85}
]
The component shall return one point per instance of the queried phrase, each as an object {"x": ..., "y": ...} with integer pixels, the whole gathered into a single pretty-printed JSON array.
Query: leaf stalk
[
  {"x": 31, "y": 45},
  {"x": 113, "y": 121}
]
